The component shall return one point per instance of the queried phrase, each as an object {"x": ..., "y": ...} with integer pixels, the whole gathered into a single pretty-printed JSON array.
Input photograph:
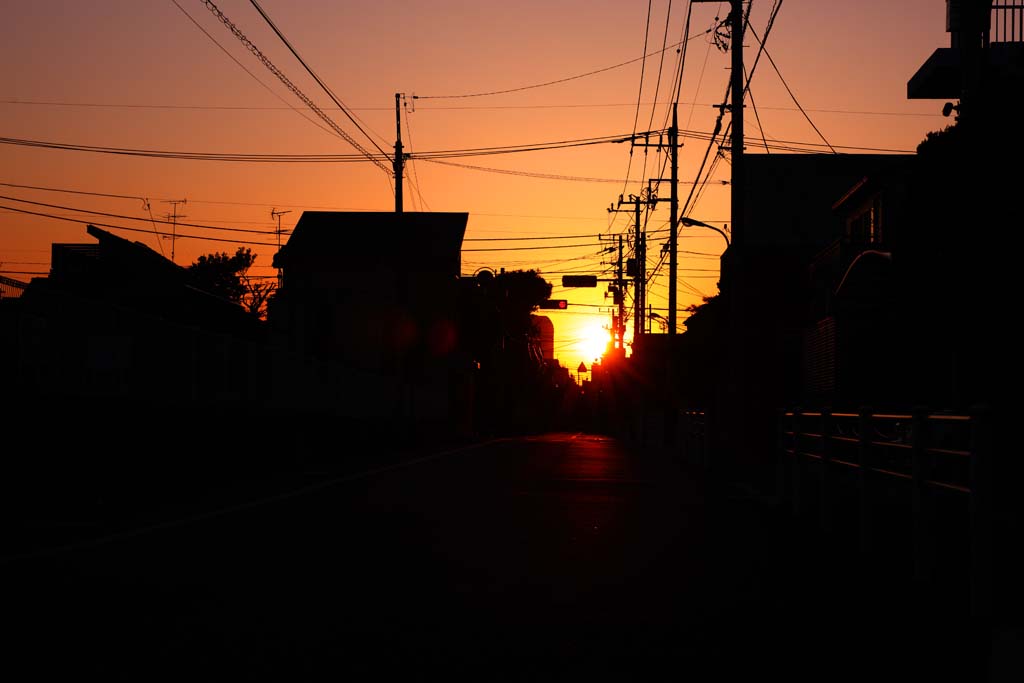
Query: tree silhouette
[
  {"x": 497, "y": 330},
  {"x": 496, "y": 312},
  {"x": 227, "y": 277}
]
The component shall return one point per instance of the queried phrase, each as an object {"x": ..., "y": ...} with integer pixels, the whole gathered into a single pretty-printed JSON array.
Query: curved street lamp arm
[{"x": 695, "y": 223}]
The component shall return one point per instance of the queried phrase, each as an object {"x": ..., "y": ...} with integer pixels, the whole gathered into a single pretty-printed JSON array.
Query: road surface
[{"x": 555, "y": 557}]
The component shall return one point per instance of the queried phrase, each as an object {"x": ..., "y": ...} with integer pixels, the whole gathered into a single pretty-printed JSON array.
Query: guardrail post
[
  {"x": 706, "y": 440},
  {"x": 864, "y": 478},
  {"x": 825, "y": 509},
  {"x": 781, "y": 489},
  {"x": 981, "y": 513},
  {"x": 796, "y": 463},
  {"x": 921, "y": 496}
]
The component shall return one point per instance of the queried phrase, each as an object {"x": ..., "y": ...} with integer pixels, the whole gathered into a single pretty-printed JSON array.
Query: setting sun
[{"x": 593, "y": 341}]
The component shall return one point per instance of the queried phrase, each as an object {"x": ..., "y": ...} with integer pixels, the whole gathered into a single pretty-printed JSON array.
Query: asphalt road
[{"x": 556, "y": 557}]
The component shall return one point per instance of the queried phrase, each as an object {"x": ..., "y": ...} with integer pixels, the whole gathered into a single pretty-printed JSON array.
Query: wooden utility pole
[
  {"x": 399, "y": 161},
  {"x": 639, "y": 277},
  {"x": 673, "y": 240},
  {"x": 736, "y": 156},
  {"x": 640, "y": 260},
  {"x": 737, "y": 23},
  {"x": 673, "y": 250},
  {"x": 620, "y": 294}
]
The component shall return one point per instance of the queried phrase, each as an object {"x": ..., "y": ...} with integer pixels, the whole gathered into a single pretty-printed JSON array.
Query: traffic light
[
  {"x": 560, "y": 304},
  {"x": 579, "y": 281}
]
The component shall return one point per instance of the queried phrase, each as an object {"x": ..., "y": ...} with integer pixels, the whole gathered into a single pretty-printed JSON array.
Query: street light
[{"x": 691, "y": 222}]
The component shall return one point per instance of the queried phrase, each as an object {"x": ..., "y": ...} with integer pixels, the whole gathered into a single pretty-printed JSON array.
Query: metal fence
[{"x": 920, "y": 478}]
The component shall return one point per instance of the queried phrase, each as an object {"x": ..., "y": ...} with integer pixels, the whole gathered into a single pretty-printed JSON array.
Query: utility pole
[
  {"x": 173, "y": 218},
  {"x": 736, "y": 23},
  {"x": 399, "y": 161},
  {"x": 738, "y": 170},
  {"x": 639, "y": 269},
  {"x": 274, "y": 213},
  {"x": 639, "y": 277},
  {"x": 617, "y": 288},
  {"x": 673, "y": 220},
  {"x": 620, "y": 327},
  {"x": 673, "y": 263}
]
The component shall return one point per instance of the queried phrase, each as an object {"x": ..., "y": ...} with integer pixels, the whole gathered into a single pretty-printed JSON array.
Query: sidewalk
[{"x": 829, "y": 603}]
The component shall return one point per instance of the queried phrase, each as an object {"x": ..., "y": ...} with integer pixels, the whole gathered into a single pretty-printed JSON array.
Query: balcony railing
[
  {"x": 1007, "y": 22},
  {"x": 10, "y": 289}
]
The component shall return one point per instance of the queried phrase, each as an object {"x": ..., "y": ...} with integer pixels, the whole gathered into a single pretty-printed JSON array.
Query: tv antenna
[
  {"x": 274, "y": 213},
  {"x": 173, "y": 218}
]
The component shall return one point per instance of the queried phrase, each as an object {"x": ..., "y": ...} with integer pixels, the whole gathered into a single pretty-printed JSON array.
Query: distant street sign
[
  {"x": 579, "y": 281},
  {"x": 582, "y": 367}
]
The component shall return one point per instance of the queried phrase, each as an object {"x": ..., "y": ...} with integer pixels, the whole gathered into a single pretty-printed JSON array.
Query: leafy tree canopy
[
  {"x": 220, "y": 274},
  {"x": 226, "y": 276},
  {"x": 499, "y": 308}
]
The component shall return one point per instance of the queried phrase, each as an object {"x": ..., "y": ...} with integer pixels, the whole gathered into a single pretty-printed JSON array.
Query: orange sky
[{"x": 124, "y": 74}]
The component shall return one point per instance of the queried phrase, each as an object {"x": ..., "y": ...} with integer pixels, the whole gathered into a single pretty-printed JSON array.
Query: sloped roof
[
  {"x": 130, "y": 274},
  {"x": 366, "y": 240}
]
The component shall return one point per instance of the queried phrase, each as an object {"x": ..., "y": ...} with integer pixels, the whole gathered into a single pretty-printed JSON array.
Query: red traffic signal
[{"x": 560, "y": 304}]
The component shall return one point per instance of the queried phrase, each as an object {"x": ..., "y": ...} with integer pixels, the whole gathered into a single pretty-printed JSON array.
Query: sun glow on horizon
[{"x": 593, "y": 341}]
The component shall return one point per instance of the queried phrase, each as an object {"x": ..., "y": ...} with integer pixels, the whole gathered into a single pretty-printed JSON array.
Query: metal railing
[
  {"x": 11, "y": 289},
  {"x": 1007, "y": 22},
  {"x": 914, "y": 457}
]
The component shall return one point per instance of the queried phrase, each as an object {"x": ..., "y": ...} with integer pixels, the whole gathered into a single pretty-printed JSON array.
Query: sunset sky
[{"x": 169, "y": 76}]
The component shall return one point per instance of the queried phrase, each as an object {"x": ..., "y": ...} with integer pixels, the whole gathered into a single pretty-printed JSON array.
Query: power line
[
  {"x": 588, "y": 105},
  {"x": 246, "y": 70},
  {"x": 412, "y": 166},
  {"x": 784, "y": 145},
  {"x": 531, "y": 174},
  {"x": 121, "y": 227},
  {"x": 553, "y": 246},
  {"x": 135, "y": 218},
  {"x": 291, "y": 86},
  {"x": 311, "y": 158},
  {"x": 287, "y": 204},
  {"x": 554, "y": 82},
  {"x": 788, "y": 90},
  {"x": 82, "y": 192},
  {"x": 657, "y": 82},
  {"x": 636, "y": 116},
  {"x": 531, "y": 239},
  {"x": 310, "y": 71}
]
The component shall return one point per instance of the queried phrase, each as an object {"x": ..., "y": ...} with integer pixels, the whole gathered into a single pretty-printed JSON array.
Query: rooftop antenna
[
  {"x": 274, "y": 213},
  {"x": 173, "y": 217}
]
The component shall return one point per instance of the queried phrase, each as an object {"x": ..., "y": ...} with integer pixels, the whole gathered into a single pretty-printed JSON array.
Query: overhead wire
[
  {"x": 330, "y": 93},
  {"x": 412, "y": 166},
  {"x": 799, "y": 106},
  {"x": 636, "y": 116},
  {"x": 530, "y": 174},
  {"x": 783, "y": 145},
  {"x": 552, "y": 246},
  {"x": 657, "y": 89},
  {"x": 548, "y": 83},
  {"x": 246, "y": 70},
  {"x": 757, "y": 118},
  {"x": 577, "y": 105},
  {"x": 133, "y": 218},
  {"x": 266, "y": 232},
  {"x": 122, "y": 227},
  {"x": 294, "y": 88}
]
